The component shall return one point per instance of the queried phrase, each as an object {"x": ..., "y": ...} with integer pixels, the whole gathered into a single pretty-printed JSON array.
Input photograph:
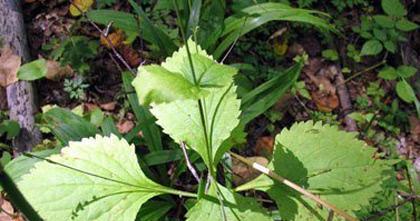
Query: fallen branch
[{"x": 273, "y": 175}]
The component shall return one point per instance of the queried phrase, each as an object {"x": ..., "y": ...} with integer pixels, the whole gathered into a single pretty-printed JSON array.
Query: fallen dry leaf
[
  {"x": 108, "y": 106},
  {"x": 131, "y": 56},
  {"x": 242, "y": 173},
  {"x": 415, "y": 128},
  {"x": 325, "y": 96},
  {"x": 9, "y": 66},
  {"x": 7, "y": 213},
  {"x": 264, "y": 146},
  {"x": 89, "y": 107},
  {"x": 79, "y": 6},
  {"x": 124, "y": 126},
  {"x": 116, "y": 39},
  {"x": 56, "y": 72}
]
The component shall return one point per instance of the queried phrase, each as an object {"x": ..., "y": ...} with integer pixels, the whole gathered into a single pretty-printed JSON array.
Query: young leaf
[
  {"x": 388, "y": 73},
  {"x": 94, "y": 179},
  {"x": 77, "y": 7},
  {"x": 390, "y": 46},
  {"x": 406, "y": 25},
  {"x": 406, "y": 71},
  {"x": 384, "y": 21},
  {"x": 371, "y": 47},
  {"x": 234, "y": 208},
  {"x": 330, "y": 163},
  {"x": 393, "y": 7},
  {"x": 33, "y": 70},
  {"x": 178, "y": 108},
  {"x": 405, "y": 91}
]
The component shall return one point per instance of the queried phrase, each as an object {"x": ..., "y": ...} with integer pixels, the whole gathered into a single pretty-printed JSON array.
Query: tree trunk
[{"x": 20, "y": 96}]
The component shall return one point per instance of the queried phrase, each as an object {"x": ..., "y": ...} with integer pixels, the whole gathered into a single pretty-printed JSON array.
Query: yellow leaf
[
  {"x": 116, "y": 39},
  {"x": 79, "y": 6}
]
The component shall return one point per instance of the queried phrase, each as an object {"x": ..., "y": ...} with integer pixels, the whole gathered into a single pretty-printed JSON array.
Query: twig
[
  {"x": 105, "y": 36},
  {"x": 363, "y": 71},
  {"x": 343, "y": 94},
  {"x": 292, "y": 185},
  {"x": 236, "y": 40},
  {"x": 386, "y": 210},
  {"x": 189, "y": 165}
]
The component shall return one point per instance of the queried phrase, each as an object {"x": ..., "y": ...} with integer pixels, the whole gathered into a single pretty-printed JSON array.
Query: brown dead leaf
[
  {"x": 56, "y": 72},
  {"x": 89, "y": 107},
  {"x": 264, "y": 146},
  {"x": 242, "y": 173},
  {"x": 9, "y": 66},
  {"x": 108, "y": 106},
  {"x": 124, "y": 126},
  {"x": 325, "y": 94},
  {"x": 116, "y": 39},
  {"x": 415, "y": 128},
  {"x": 7, "y": 213},
  {"x": 131, "y": 56}
]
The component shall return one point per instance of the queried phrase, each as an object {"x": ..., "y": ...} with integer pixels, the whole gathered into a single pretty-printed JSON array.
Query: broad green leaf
[
  {"x": 67, "y": 126},
  {"x": 330, "y": 163},
  {"x": 234, "y": 208},
  {"x": 371, "y": 47},
  {"x": 390, "y": 46},
  {"x": 257, "y": 15},
  {"x": 9, "y": 127},
  {"x": 406, "y": 71},
  {"x": 388, "y": 73},
  {"x": 33, "y": 70},
  {"x": 393, "y": 7},
  {"x": 179, "y": 110},
  {"x": 97, "y": 117},
  {"x": 330, "y": 54},
  {"x": 405, "y": 91},
  {"x": 108, "y": 127},
  {"x": 150, "y": 130},
  {"x": 22, "y": 164},
  {"x": 379, "y": 34},
  {"x": 162, "y": 86},
  {"x": 154, "y": 210},
  {"x": 384, "y": 21},
  {"x": 406, "y": 25},
  {"x": 94, "y": 179}
]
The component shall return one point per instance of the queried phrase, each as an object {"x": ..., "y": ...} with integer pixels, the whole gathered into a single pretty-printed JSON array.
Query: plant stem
[
  {"x": 292, "y": 185},
  {"x": 189, "y": 165},
  {"x": 200, "y": 101},
  {"x": 363, "y": 71}
]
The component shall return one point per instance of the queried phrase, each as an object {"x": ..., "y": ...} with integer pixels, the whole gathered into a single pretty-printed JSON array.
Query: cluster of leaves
[
  {"x": 385, "y": 30},
  {"x": 340, "y": 5},
  {"x": 99, "y": 178},
  {"x": 402, "y": 74},
  {"x": 75, "y": 88}
]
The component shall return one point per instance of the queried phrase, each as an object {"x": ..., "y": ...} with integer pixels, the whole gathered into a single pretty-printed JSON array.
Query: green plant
[
  {"x": 340, "y": 5},
  {"x": 195, "y": 102},
  {"x": 385, "y": 30},
  {"x": 403, "y": 88},
  {"x": 353, "y": 53},
  {"x": 75, "y": 87},
  {"x": 75, "y": 51}
]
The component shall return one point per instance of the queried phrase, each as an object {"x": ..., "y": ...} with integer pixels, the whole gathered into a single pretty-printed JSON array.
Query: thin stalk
[
  {"x": 200, "y": 102},
  {"x": 189, "y": 165},
  {"x": 363, "y": 71},
  {"x": 292, "y": 185}
]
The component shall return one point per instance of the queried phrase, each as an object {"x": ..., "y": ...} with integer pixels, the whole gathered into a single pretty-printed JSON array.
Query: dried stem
[
  {"x": 189, "y": 165},
  {"x": 363, "y": 71},
  {"x": 104, "y": 34},
  {"x": 292, "y": 185}
]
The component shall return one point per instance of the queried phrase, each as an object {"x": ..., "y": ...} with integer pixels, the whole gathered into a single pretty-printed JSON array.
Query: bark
[{"x": 20, "y": 96}]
